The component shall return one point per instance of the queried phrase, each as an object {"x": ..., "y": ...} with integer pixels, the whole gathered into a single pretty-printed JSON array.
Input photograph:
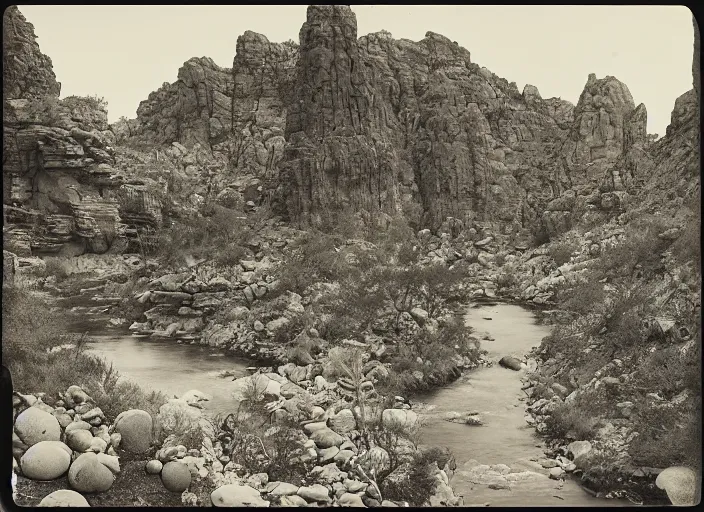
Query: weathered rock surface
[
  {"x": 27, "y": 72},
  {"x": 64, "y": 498}
]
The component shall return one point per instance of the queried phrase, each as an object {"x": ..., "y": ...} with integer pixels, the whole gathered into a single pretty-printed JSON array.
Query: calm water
[
  {"x": 505, "y": 437},
  {"x": 171, "y": 367},
  {"x": 494, "y": 392}
]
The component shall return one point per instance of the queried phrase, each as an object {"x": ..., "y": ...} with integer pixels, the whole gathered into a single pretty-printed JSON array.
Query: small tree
[{"x": 349, "y": 362}]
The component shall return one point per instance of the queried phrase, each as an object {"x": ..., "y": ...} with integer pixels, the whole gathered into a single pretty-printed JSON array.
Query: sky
[{"x": 123, "y": 53}]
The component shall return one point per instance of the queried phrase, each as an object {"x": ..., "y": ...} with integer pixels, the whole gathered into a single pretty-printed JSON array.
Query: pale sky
[{"x": 125, "y": 52}]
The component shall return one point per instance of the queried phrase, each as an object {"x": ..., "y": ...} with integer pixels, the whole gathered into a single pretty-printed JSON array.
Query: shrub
[
  {"x": 687, "y": 247},
  {"x": 417, "y": 482},
  {"x": 31, "y": 328},
  {"x": 569, "y": 419},
  {"x": 586, "y": 298},
  {"x": 506, "y": 280},
  {"x": 671, "y": 438},
  {"x": 561, "y": 252},
  {"x": 95, "y": 101},
  {"x": 55, "y": 267},
  {"x": 219, "y": 236},
  {"x": 275, "y": 451},
  {"x": 540, "y": 234},
  {"x": 640, "y": 247}
]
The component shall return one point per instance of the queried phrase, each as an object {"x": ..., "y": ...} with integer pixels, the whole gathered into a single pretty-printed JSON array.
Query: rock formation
[
  {"x": 337, "y": 157},
  {"x": 337, "y": 125},
  {"x": 27, "y": 72},
  {"x": 60, "y": 182}
]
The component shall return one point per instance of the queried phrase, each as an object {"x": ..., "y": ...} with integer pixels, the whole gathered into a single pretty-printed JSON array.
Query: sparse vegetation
[
  {"x": 41, "y": 356},
  {"x": 562, "y": 252}
]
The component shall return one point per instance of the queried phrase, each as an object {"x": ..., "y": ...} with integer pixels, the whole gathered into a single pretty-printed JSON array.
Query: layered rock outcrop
[
  {"x": 454, "y": 138},
  {"x": 373, "y": 125},
  {"x": 60, "y": 181}
]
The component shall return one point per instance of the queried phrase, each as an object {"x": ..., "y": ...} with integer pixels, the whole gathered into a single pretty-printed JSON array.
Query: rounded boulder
[
  {"x": 34, "y": 425},
  {"x": 46, "y": 460},
  {"x": 136, "y": 427},
  {"x": 176, "y": 476},
  {"x": 680, "y": 484},
  {"x": 153, "y": 467},
  {"x": 79, "y": 440},
  {"x": 64, "y": 498},
  {"x": 233, "y": 495},
  {"x": 88, "y": 474}
]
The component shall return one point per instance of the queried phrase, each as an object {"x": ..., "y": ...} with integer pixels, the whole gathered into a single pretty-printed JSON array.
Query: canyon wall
[
  {"x": 62, "y": 190},
  {"x": 333, "y": 126}
]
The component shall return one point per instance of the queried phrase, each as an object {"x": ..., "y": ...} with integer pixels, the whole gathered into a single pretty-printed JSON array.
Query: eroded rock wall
[{"x": 59, "y": 168}]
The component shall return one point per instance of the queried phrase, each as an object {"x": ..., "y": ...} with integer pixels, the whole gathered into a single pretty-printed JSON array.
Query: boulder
[
  {"x": 178, "y": 415},
  {"x": 399, "y": 418},
  {"x": 315, "y": 493},
  {"x": 46, "y": 460},
  {"x": 64, "y": 498},
  {"x": 326, "y": 437},
  {"x": 175, "y": 476},
  {"x": 112, "y": 462},
  {"x": 77, "y": 425},
  {"x": 579, "y": 450},
  {"x": 75, "y": 395},
  {"x": 88, "y": 474},
  {"x": 293, "y": 501},
  {"x": 195, "y": 398},
  {"x": 343, "y": 422},
  {"x": 282, "y": 489},
  {"x": 376, "y": 459},
  {"x": 98, "y": 445},
  {"x": 136, "y": 428},
  {"x": 233, "y": 495},
  {"x": 153, "y": 467},
  {"x": 510, "y": 362},
  {"x": 79, "y": 440},
  {"x": 680, "y": 484},
  {"x": 350, "y": 500},
  {"x": 34, "y": 425}
]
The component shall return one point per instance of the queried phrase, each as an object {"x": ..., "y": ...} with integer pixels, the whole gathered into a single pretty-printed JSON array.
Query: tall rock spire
[{"x": 336, "y": 159}]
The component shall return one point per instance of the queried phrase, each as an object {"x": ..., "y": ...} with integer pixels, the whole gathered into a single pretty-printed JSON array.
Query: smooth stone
[
  {"x": 315, "y": 492},
  {"x": 233, "y": 495},
  {"x": 283, "y": 489},
  {"x": 153, "y": 467},
  {"x": 64, "y": 498},
  {"x": 175, "y": 476},
  {"x": 350, "y": 500},
  {"x": 136, "y": 427},
  {"x": 34, "y": 425},
  {"x": 46, "y": 460},
  {"x": 79, "y": 440},
  {"x": 88, "y": 474}
]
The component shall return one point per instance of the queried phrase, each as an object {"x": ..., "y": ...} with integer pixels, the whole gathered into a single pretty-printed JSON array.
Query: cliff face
[
  {"x": 378, "y": 126},
  {"x": 235, "y": 116},
  {"x": 27, "y": 72},
  {"x": 61, "y": 189},
  {"x": 339, "y": 155}
]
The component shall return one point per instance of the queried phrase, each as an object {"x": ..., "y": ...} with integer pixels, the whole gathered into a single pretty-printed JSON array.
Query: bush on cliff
[
  {"x": 561, "y": 252},
  {"x": 218, "y": 234}
]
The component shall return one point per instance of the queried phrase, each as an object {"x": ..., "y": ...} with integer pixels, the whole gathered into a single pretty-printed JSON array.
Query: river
[{"x": 494, "y": 392}]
